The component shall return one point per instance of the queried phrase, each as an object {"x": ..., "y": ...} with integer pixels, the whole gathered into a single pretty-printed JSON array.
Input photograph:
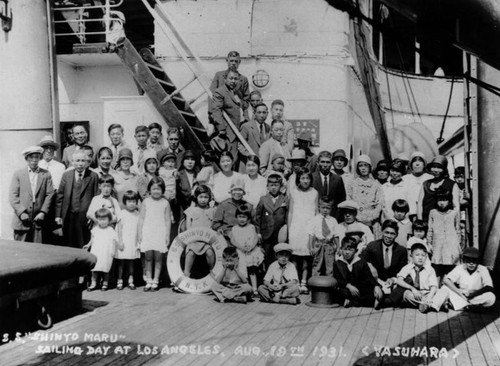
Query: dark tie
[
  {"x": 325, "y": 186},
  {"x": 262, "y": 133},
  {"x": 387, "y": 259},
  {"x": 324, "y": 228},
  {"x": 417, "y": 277},
  {"x": 79, "y": 179}
]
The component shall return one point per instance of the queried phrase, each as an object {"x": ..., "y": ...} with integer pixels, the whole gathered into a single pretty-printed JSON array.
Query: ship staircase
[{"x": 167, "y": 97}]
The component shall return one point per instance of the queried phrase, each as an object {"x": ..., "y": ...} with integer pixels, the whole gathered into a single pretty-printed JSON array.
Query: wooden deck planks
[{"x": 156, "y": 320}]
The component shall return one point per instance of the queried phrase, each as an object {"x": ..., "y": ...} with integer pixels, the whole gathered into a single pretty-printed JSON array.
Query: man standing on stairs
[
  {"x": 233, "y": 62},
  {"x": 228, "y": 98}
]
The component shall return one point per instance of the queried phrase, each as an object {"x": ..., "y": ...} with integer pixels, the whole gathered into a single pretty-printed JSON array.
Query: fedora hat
[
  {"x": 297, "y": 154},
  {"x": 47, "y": 140}
]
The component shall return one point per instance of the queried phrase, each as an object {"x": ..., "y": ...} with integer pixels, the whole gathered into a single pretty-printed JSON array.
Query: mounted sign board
[{"x": 302, "y": 125}]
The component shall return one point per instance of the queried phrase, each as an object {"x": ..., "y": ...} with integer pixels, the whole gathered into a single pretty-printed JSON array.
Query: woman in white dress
[{"x": 224, "y": 178}]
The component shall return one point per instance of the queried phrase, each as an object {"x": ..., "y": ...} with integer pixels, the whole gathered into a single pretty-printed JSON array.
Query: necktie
[
  {"x": 33, "y": 176},
  {"x": 282, "y": 276},
  {"x": 325, "y": 229},
  {"x": 417, "y": 277},
  {"x": 141, "y": 156},
  {"x": 262, "y": 135},
  {"x": 387, "y": 259},
  {"x": 325, "y": 186}
]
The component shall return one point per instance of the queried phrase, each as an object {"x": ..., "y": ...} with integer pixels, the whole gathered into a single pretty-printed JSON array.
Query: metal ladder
[
  {"x": 166, "y": 97},
  {"x": 194, "y": 64},
  {"x": 471, "y": 150}
]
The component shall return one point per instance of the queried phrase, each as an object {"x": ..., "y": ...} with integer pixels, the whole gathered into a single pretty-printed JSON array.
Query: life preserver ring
[{"x": 191, "y": 285}]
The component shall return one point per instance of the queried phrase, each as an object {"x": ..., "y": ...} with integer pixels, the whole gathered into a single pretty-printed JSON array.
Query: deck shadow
[{"x": 402, "y": 353}]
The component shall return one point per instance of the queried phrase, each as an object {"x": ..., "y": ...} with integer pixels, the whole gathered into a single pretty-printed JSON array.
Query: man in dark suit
[
  {"x": 256, "y": 132},
  {"x": 329, "y": 184},
  {"x": 77, "y": 188},
  {"x": 385, "y": 255},
  {"x": 30, "y": 195},
  {"x": 271, "y": 216},
  {"x": 80, "y": 139},
  {"x": 228, "y": 99},
  {"x": 233, "y": 62}
]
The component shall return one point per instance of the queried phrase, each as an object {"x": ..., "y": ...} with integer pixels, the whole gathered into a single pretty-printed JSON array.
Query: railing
[{"x": 81, "y": 13}]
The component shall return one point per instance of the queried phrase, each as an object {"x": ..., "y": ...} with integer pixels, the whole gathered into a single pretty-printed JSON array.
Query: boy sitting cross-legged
[
  {"x": 417, "y": 280},
  {"x": 355, "y": 283},
  {"x": 281, "y": 279}
]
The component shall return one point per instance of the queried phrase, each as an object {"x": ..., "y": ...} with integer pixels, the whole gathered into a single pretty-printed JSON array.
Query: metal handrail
[
  {"x": 90, "y": 7},
  {"x": 106, "y": 19}
]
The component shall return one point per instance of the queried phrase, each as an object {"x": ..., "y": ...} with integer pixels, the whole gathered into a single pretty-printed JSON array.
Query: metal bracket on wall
[{"x": 6, "y": 16}]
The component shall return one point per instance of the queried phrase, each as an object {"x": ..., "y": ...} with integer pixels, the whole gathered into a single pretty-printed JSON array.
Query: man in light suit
[
  {"x": 30, "y": 195},
  {"x": 329, "y": 184},
  {"x": 228, "y": 99},
  {"x": 256, "y": 132},
  {"x": 78, "y": 187}
]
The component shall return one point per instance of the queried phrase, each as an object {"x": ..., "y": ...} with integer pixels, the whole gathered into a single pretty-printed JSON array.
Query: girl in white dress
[
  {"x": 154, "y": 231},
  {"x": 303, "y": 207},
  {"x": 126, "y": 228},
  {"x": 102, "y": 244}
]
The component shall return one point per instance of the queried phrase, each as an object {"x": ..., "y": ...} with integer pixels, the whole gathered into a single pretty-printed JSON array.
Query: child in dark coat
[{"x": 355, "y": 283}]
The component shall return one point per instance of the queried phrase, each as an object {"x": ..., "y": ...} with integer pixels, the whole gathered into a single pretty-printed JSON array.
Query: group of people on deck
[{"x": 389, "y": 234}]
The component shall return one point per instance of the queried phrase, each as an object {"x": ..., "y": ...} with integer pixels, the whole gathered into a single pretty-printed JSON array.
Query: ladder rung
[
  {"x": 199, "y": 129},
  {"x": 166, "y": 83},
  {"x": 198, "y": 97},
  {"x": 154, "y": 67},
  {"x": 187, "y": 114}
]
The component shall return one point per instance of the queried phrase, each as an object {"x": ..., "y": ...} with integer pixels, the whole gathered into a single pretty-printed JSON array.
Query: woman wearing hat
[
  {"x": 151, "y": 166},
  {"x": 125, "y": 179},
  {"x": 367, "y": 192},
  {"x": 339, "y": 162},
  {"x": 439, "y": 183},
  {"x": 415, "y": 179}
]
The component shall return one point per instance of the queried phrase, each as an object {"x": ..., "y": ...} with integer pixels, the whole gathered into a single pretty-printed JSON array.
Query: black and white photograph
[{"x": 249, "y": 182}]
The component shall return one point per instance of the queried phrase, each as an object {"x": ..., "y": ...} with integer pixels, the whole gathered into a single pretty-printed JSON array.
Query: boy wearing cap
[
  {"x": 467, "y": 286},
  {"x": 30, "y": 195},
  {"x": 304, "y": 140},
  {"x": 271, "y": 215},
  {"x": 281, "y": 279},
  {"x": 78, "y": 187},
  {"x": 355, "y": 283},
  {"x": 225, "y": 214},
  {"x": 418, "y": 281},
  {"x": 168, "y": 173},
  {"x": 323, "y": 233},
  {"x": 351, "y": 226},
  {"x": 277, "y": 166},
  {"x": 48, "y": 161}
]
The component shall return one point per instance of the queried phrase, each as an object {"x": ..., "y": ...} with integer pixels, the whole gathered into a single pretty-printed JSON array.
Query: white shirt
[
  {"x": 470, "y": 281},
  {"x": 428, "y": 277},
  {"x": 315, "y": 227},
  {"x": 33, "y": 175},
  {"x": 56, "y": 170}
]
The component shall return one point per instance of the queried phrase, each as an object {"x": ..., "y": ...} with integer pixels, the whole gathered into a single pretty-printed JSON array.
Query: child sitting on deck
[
  {"x": 467, "y": 286},
  {"x": 355, "y": 283},
  {"x": 418, "y": 281},
  {"x": 231, "y": 283},
  {"x": 281, "y": 280}
]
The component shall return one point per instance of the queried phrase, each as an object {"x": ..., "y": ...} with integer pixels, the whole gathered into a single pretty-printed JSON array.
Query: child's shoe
[
  {"x": 154, "y": 286},
  {"x": 240, "y": 299},
  {"x": 119, "y": 285},
  {"x": 303, "y": 288},
  {"x": 289, "y": 300},
  {"x": 104, "y": 286},
  {"x": 148, "y": 286},
  {"x": 92, "y": 287},
  {"x": 347, "y": 303},
  {"x": 131, "y": 286}
]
